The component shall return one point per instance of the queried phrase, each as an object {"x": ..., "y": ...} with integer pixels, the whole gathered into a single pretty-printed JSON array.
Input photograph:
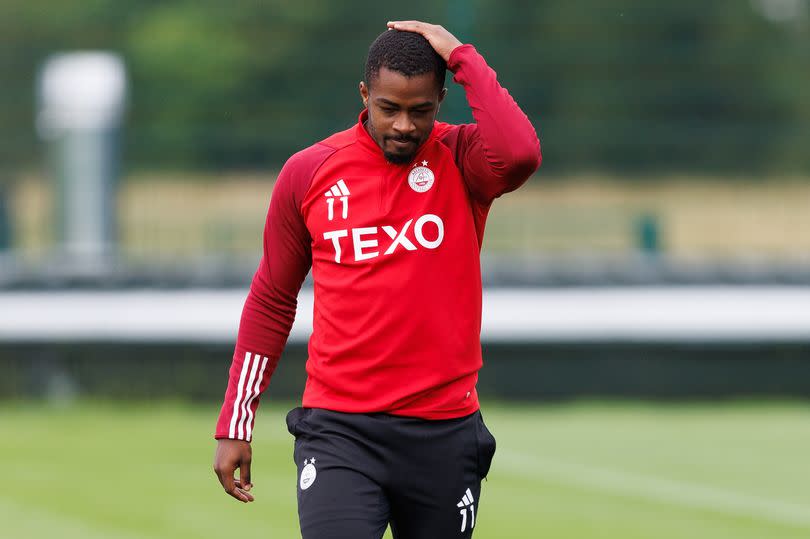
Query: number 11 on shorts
[
  {"x": 463, "y": 513},
  {"x": 467, "y": 503}
]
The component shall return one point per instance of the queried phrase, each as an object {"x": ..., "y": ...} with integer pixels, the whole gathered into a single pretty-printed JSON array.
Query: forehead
[{"x": 396, "y": 87}]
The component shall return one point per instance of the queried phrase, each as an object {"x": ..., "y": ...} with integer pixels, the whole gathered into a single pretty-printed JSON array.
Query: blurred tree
[
  {"x": 628, "y": 85},
  {"x": 649, "y": 85}
]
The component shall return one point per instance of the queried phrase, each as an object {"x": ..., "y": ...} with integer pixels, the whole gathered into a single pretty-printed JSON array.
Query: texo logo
[{"x": 364, "y": 239}]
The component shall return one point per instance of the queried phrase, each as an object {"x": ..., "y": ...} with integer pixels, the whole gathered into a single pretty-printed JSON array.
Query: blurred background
[{"x": 646, "y": 308}]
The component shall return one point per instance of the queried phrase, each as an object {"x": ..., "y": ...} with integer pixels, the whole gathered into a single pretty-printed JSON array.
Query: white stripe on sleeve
[
  {"x": 238, "y": 399},
  {"x": 249, "y": 418},
  {"x": 248, "y": 393}
]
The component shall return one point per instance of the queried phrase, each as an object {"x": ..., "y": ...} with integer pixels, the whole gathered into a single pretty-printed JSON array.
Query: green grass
[{"x": 592, "y": 470}]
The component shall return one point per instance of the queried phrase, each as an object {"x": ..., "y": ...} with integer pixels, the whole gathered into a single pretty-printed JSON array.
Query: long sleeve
[
  {"x": 501, "y": 150},
  {"x": 269, "y": 309}
]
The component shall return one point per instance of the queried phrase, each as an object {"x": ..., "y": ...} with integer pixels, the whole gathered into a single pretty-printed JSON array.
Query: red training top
[{"x": 394, "y": 251}]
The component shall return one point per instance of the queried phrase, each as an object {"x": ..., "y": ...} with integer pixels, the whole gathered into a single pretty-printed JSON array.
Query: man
[{"x": 390, "y": 217}]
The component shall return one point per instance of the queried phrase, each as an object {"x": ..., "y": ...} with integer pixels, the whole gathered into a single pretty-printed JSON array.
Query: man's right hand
[{"x": 230, "y": 455}]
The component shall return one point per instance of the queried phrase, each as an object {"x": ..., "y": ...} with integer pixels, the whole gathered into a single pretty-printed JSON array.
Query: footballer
[{"x": 389, "y": 215}]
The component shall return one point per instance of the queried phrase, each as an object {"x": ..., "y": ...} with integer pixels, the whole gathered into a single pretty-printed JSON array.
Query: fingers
[
  {"x": 410, "y": 26},
  {"x": 224, "y": 475},
  {"x": 234, "y": 487},
  {"x": 242, "y": 495},
  {"x": 244, "y": 475},
  {"x": 226, "y": 480}
]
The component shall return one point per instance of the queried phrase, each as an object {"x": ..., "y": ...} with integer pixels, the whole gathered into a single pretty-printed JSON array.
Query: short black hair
[{"x": 404, "y": 52}]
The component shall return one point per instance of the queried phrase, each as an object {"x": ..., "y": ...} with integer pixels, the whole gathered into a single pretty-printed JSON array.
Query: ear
[
  {"x": 442, "y": 94},
  {"x": 364, "y": 93}
]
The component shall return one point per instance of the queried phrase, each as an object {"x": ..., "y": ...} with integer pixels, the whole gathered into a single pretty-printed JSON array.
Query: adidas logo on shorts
[{"x": 467, "y": 503}]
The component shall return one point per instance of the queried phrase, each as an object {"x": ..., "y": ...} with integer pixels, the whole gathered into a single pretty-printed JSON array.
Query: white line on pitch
[{"x": 667, "y": 491}]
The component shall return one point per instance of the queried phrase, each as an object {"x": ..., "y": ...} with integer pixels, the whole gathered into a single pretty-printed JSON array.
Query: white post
[{"x": 81, "y": 104}]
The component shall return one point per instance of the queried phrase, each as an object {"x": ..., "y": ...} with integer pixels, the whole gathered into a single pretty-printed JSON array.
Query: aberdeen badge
[
  {"x": 421, "y": 178},
  {"x": 308, "y": 474}
]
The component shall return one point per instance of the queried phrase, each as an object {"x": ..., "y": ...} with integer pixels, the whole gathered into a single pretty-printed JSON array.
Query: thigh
[
  {"x": 439, "y": 495},
  {"x": 336, "y": 499}
]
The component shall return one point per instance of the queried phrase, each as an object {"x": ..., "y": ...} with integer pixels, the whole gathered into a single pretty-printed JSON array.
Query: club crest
[
  {"x": 421, "y": 178},
  {"x": 308, "y": 474}
]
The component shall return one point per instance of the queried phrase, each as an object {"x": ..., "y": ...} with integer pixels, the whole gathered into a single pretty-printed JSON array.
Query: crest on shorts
[
  {"x": 308, "y": 474},
  {"x": 421, "y": 178}
]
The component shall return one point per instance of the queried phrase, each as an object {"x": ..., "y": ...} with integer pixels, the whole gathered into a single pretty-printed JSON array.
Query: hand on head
[{"x": 442, "y": 41}]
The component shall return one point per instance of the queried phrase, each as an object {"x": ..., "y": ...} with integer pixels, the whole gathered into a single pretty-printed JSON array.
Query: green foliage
[
  {"x": 632, "y": 84},
  {"x": 712, "y": 87}
]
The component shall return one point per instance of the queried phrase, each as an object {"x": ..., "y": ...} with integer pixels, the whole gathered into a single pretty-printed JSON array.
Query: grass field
[{"x": 590, "y": 470}]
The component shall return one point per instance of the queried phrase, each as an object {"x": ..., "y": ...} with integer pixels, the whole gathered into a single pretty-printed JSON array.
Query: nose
[{"x": 403, "y": 123}]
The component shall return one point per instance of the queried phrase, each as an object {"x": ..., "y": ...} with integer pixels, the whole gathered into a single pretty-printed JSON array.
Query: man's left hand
[{"x": 442, "y": 41}]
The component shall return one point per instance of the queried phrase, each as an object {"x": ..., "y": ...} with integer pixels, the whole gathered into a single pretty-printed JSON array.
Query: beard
[
  {"x": 395, "y": 158},
  {"x": 399, "y": 158}
]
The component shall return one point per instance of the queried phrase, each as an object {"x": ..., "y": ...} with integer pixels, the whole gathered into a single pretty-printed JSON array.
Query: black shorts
[{"x": 359, "y": 472}]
